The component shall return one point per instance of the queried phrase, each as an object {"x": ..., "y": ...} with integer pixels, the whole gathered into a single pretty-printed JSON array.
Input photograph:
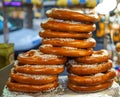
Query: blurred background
[
  {"x": 20, "y": 21},
  {"x": 20, "y": 26}
]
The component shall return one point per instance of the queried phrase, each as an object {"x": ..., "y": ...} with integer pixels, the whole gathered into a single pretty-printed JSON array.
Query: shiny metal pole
[
  {"x": 5, "y": 29},
  {"x": 42, "y": 9}
]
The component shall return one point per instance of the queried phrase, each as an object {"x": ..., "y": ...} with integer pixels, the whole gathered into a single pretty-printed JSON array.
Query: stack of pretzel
[
  {"x": 66, "y": 35},
  {"x": 69, "y": 33},
  {"x": 36, "y": 72}
]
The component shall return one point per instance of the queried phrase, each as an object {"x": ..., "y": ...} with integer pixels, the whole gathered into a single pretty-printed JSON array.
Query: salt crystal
[
  {"x": 69, "y": 48},
  {"x": 75, "y": 64},
  {"x": 42, "y": 66},
  {"x": 62, "y": 39},
  {"x": 42, "y": 31},
  {"x": 45, "y": 45},
  {"x": 37, "y": 77},
  {"x": 86, "y": 65},
  {"x": 90, "y": 40},
  {"x": 99, "y": 74},
  {"x": 48, "y": 11}
]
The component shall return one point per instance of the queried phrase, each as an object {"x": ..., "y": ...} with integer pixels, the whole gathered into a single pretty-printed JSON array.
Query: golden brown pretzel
[
  {"x": 87, "y": 69},
  {"x": 13, "y": 86},
  {"x": 39, "y": 69},
  {"x": 66, "y": 14},
  {"x": 67, "y": 26},
  {"x": 65, "y": 51},
  {"x": 92, "y": 79},
  {"x": 97, "y": 57},
  {"x": 33, "y": 79},
  {"x": 36, "y": 57},
  {"x": 70, "y": 42},
  {"x": 58, "y": 34},
  {"x": 95, "y": 88}
]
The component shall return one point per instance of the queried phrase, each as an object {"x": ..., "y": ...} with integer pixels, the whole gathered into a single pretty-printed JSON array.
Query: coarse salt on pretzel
[
  {"x": 67, "y": 26},
  {"x": 65, "y": 51},
  {"x": 70, "y": 42},
  {"x": 37, "y": 57},
  {"x": 32, "y": 79},
  {"x": 96, "y": 57},
  {"x": 38, "y": 69},
  {"x": 93, "y": 79},
  {"x": 19, "y": 87},
  {"x": 66, "y": 14},
  {"x": 58, "y": 34},
  {"x": 87, "y": 69}
]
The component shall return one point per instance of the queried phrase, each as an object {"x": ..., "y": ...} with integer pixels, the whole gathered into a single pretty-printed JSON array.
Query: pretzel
[
  {"x": 58, "y": 34},
  {"x": 36, "y": 57},
  {"x": 65, "y": 51},
  {"x": 92, "y": 79},
  {"x": 67, "y": 26},
  {"x": 38, "y": 69},
  {"x": 66, "y": 14},
  {"x": 70, "y": 42},
  {"x": 97, "y": 57},
  {"x": 95, "y": 88},
  {"x": 88, "y": 69},
  {"x": 19, "y": 87}
]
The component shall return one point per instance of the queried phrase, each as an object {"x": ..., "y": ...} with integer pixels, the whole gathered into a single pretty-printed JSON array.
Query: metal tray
[{"x": 63, "y": 91}]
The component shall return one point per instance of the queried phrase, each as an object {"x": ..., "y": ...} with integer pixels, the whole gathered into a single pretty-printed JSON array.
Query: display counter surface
[{"x": 63, "y": 91}]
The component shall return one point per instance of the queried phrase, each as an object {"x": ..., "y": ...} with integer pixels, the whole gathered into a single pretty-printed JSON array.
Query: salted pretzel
[
  {"x": 88, "y": 69},
  {"x": 96, "y": 57},
  {"x": 58, "y": 34},
  {"x": 19, "y": 87},
  {"x": 66, "y": 14},
  {"x": 32, "y": 79},
  {"x": 65, "y": 51},
  {"x": 91, "y": 80},
  {"x": 36, "y": 57},
  {"x": 95, "y": 88},
  {"x": 70, "y": 42},
  {"x": 38, "y": 69},
  {"x": 67, "y": 26}
]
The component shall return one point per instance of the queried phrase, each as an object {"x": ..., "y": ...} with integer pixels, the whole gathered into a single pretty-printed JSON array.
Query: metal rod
[{"x": 5, "y": 29}]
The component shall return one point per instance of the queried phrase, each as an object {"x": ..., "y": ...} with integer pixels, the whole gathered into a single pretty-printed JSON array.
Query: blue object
[
  {"x": 82, "y": 1},
  {"x": 1, "y": 25},
  {"x": 117, "y": 67},
  {"x": 37, "y": 41},
  {"x": 98, "y": 1},
  {"x": 69, "y": 2},
  {"x": 28, "y": 1}
]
